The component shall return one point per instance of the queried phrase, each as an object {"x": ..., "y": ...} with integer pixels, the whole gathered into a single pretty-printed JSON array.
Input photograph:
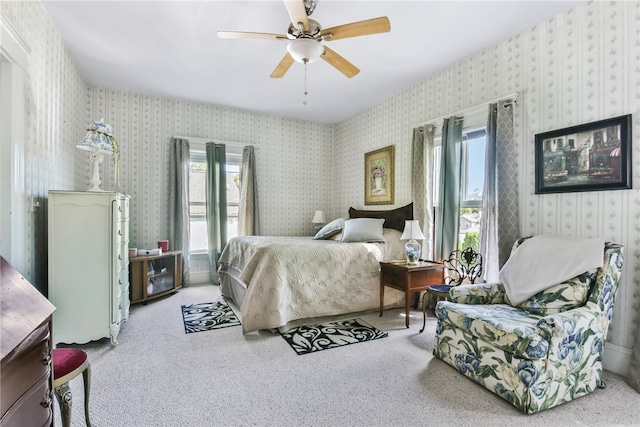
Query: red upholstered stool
[{"x": 68, "y": 363}]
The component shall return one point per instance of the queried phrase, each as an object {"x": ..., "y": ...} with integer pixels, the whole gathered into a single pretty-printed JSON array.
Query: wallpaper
[
  {"x": 55, "y": 121},
  {"x": 579, "y": 67},
  {"x": 292, "y": 159}
]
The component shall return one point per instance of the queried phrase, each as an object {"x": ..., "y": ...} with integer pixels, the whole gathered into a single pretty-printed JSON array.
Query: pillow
[
  {"x": 363, "y": 230},
  {"x": 330, "y": 230},
  {"x": 394, "y": 218},
  {"x": 561, "y": 297}
]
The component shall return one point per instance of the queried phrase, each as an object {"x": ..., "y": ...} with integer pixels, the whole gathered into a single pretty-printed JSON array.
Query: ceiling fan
[{"x": 305, "y": 36}]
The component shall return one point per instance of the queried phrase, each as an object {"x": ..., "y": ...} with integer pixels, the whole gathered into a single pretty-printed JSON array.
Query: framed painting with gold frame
[{"x": 379, "y": 176}]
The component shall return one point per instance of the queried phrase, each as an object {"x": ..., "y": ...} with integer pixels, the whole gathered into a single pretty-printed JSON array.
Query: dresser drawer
[
  {"x": 124, "y": 204},
  {"x": 32, "y": 409},
  {"x": 121, "y": 208},
  {"x": 119, "y": 308},
  {"x": 30, "y": 365},
  {"x": 122, "y": 233}
]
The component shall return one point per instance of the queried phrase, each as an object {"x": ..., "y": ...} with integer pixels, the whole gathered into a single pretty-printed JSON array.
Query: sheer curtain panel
[
  {"x": 216, "y": 204},
  {"x": 179, "y": 204},
  {"x": 422, "y": 184},
  {"x": 248, "y": 216}
]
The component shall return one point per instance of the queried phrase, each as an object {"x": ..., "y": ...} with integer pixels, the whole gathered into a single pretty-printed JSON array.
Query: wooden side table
[
  {"x": 409, "y": 278},
  {"x": 153, "y": 276}
]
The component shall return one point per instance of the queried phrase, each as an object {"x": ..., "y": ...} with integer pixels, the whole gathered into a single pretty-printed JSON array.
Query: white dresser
[{"x": 88, "y": 264}]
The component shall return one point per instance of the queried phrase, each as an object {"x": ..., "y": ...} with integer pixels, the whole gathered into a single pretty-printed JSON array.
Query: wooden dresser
[
  {"x": 88, "y": 264},
  {"x": 26, "y": 373}
]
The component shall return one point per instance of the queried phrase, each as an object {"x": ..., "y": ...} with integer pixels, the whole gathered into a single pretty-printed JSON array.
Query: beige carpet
[{"x": 159, "y": 376}]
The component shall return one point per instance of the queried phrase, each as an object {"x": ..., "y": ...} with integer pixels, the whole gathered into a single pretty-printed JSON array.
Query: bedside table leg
[
  {"x": 425, "y": 298},
  {"x": 381, "y": 295},
  {"x": 407, "y": 306}
]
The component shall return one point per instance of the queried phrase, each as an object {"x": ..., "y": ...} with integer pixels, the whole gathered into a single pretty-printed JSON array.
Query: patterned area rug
[
  {"x": 207, "y": 316},
  {"x": 312, "y": 338}
]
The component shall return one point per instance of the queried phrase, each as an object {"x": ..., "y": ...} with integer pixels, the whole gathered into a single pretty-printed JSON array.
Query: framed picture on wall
[
  {"x": 378, "y": 176},
  {"x": 590, "y": 157}
]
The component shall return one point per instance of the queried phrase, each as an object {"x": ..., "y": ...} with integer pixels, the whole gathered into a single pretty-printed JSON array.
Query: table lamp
[
  {"x": 318, "y": 219},
  {"x": 100, "y": 141},
  {"x": 412, "y": 247}
]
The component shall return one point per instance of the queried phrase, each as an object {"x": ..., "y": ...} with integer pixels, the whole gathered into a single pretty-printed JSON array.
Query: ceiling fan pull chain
[{"x": 304, "y": 102}]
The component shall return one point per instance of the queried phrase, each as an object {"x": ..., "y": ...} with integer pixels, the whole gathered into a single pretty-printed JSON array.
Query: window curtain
[
  {"x": 448, "y": 211},
  {"x": 248, "y": 216},
  {"x": 422, "y": 184},
  {"x": 179, "y": 238},
  {"x": 216, "y": 204},
  {"x": 500, "y": 223}
]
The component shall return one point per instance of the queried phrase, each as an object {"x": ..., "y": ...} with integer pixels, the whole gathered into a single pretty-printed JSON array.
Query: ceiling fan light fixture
[{"x": 305, "y": 50}]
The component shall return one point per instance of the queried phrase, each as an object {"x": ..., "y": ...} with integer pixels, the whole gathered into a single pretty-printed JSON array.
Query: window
[
  {"x": 197, "y": 197},
  {"x": 473, "y": 152}
]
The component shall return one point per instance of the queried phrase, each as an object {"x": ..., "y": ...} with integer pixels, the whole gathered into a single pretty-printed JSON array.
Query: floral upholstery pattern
[
  {"x": 561, "y": 297},
  {"x": 534, "y": 361},
  {"x": 480, "y": 293}
]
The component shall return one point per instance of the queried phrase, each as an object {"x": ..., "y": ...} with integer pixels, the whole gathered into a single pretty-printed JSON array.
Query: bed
[{"x": 282, "y": 282}]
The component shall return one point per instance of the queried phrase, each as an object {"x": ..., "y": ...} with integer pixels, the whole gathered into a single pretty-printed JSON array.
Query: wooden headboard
[{"x": 393, "y": 218}]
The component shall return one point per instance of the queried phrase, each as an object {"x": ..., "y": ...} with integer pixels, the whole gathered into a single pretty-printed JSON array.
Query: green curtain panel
[
  {"x": 179, "y": 237},
  {"x": 448, "y": 211},
  {"x": 248, "y": 214},
  {"x": 216, "y": 201}
]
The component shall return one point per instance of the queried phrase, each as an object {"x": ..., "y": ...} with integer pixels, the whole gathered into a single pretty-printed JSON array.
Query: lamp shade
[
  {"x": 412, "y": 230},
  {"x": 98, "y": 138},
  {"x": 318, "y": 218},
  {"x": 305, "y": 50}
]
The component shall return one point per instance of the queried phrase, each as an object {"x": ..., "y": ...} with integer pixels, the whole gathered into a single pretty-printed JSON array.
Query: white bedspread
[
  {"x": 291, "y": 278},
  {"x": 546, "y": 260}
]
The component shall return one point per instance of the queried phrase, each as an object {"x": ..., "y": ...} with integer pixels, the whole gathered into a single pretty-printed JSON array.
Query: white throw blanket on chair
[{"x": 543, "y": 261}]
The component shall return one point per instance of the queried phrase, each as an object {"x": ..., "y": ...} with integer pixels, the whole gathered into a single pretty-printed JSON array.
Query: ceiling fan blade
[
  {"x": 282, "y": 67},
  {"x": 341, "y": 64},
  {"x": 297, "y": 13},
  {"x": 250, "y": 35},
  {"x": 360, "y": 28}
]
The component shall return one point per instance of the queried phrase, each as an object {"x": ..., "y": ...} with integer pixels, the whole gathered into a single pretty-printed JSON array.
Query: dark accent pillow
[{"x": 393, "y": 218}]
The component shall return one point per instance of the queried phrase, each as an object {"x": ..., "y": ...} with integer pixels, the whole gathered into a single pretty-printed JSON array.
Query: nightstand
[{"x": 409, "y": 278}]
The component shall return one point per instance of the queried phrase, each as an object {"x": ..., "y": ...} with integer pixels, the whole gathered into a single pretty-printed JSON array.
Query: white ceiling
[{"x": 170, "y": 48}]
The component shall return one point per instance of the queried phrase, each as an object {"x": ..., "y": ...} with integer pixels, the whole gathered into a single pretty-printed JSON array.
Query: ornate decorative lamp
[
  {"x": 412, "y": 248},
  {"x": 100, "y": 141},
  {"x": 318, "y": 219}
]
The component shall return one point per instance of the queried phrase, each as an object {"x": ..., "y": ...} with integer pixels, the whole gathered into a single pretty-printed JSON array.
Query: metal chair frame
[{"x": 462, "y": 266}]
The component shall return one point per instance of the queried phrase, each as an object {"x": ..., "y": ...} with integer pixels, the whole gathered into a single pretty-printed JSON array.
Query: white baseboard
[
  {"x": 200, "y": 277},
  {"x": 616, "y": 359}
]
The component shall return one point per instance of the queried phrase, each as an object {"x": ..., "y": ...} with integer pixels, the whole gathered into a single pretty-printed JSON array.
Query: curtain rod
[
  {"x": 205, "y": 140},
  {"x": 513, "y": 96}
]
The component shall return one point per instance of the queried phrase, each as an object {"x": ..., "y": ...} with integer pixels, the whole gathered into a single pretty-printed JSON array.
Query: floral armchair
[{"x": 541, "y": 353}]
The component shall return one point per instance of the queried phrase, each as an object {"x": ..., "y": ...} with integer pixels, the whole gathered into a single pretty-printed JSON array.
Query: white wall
[{"x": 579, "y": 67}]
